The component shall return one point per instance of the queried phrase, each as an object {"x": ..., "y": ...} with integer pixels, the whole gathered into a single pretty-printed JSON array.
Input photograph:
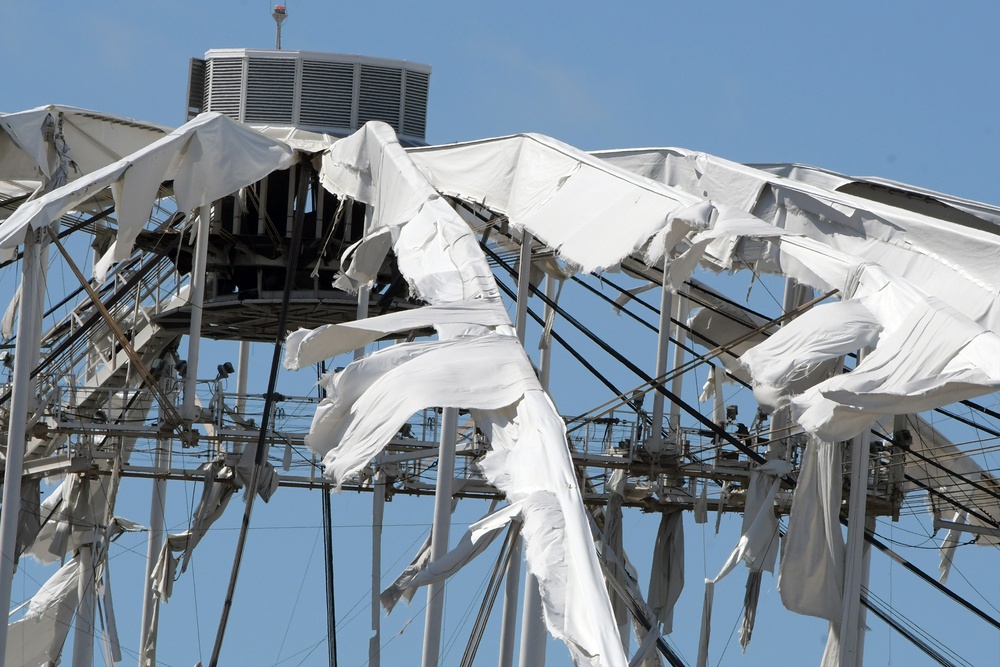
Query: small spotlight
[
  {"x": 182, "y": 367},
  {"x": 224, "y": 370}
]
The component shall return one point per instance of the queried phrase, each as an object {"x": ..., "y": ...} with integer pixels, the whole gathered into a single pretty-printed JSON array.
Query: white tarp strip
[
  {"x": 952, "y": 261},
  {"x": 440, "y": 257},
  {"x": 565, "y": 197},
  {"x": 207, "y": 158},
  {"x": 811, "y": 576},
  {"x": 38, "y": 638},
  {"x": 666, "y": 576},
  {"x": 421, "y": 572},
  {"x": 309, "y": 346}
]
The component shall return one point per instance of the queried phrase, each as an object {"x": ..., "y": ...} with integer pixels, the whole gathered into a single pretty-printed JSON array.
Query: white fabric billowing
[
  {"x": 811, "y": 576},
  {"x": 38, "y": 637},
  {"x": 309, "y": 346},
  {"x": 798, "y": 355},
  {"x": 565, "y": 197},
  {"x": 935, "y": 357},
  {"x": 952, "y": 261},
  {"x": 207, "y": 158},
  {"x": 372, "y": 398},
  {"x": 69, "y": 515}
]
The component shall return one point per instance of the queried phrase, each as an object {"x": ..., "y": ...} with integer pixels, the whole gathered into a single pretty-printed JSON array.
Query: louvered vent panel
[
  {"x": 326, "y": 94},
  {"x": 225, "y": 76},
  {"x": 197, "y": 85},
  {"x": 380, "y": 95},
  {"x": 415, "y": 104},
  {"x": 270, "y": 91}
]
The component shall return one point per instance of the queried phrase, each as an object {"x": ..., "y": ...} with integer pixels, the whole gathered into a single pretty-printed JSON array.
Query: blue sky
[{"x": 902, "y": 90}]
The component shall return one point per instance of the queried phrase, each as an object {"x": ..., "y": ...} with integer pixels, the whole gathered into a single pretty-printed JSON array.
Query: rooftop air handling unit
[{"x": 326, "y": 93}]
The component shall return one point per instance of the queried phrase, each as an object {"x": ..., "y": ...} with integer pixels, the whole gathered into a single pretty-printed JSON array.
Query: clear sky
[{"x": 901, "y": 90}]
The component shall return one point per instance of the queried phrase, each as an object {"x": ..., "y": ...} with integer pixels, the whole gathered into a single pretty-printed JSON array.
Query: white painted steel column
[
  {"x": 677, "y": 384},
  {"x": 854, "y": 560},
  {"x": 242, "y": 375},
  {"x": 31, "y": 281},
  {"x": 654, "y": 443},
  {"x": 196, "y": 298},
  {"x": 508, "y": 625},
  {"x": 83, "y": 626},
  {"x": 439, "y": 534},
  {"x": 378, "y": 510},
  {"x": 157, "y": 512},
  {"x": 532, "y": 651},
  {"x": 508, "y": 622}
]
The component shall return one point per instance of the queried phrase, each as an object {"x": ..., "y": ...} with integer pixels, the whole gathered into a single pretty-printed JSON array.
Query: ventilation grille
[
  {"x": 380, "y": 95},
  {"x": 225, "y": 76},
  {"x": 270, "y": 91},
  {"x": 317, "y": 92},
  {"x": 327, "y": 89},
  {"x": 415, "y": 106},
  {"x": 197, "y": 87}
]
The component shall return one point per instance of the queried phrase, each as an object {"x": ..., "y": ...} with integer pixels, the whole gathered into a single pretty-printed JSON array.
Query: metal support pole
[
  {"x": 378, "y": 510},
  {"x": 854, "y": 560},
  {"x": 197, "y": 301},
  {"x": 545, "y": 354},
  {"x": 677, "y": 385},
  {"x": 508, "y": 624},
  {"x": 83, "y": 630},
  {"x": 523, "y": 286},
  {"x": 654, "y": 444},
  {"x": 331, "y": 607},
  {"x": 439, "y": 534},
  {"x": 532, "y": 625},
  {"x": 157, "y": 511},
  {"x": 31, "y": 278},
  {"x": 242, "y": 374}
]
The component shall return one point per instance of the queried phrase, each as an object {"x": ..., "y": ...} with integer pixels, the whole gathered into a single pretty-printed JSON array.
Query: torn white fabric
[
  {"x": 811, "y": 576},
  {"x": 309, "y": 346},
  {"x": 758, "y": 543},
  {"x": 207, "y": 158},
  {"x": 805, "y": 351},
  {"x": 666, "y": 576},
  {"x": 565, "y": 197},
  {"x": 38, "y": 637},
  {"x": 953, "y": 261},
  {"x": 421, "y": 572}
]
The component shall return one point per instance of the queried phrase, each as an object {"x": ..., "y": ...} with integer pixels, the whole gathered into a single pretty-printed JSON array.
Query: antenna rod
[{"x": 279, "y": 14}]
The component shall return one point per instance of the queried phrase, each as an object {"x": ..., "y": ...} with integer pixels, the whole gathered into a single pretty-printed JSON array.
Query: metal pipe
[
  {"x": 196, "y": 297},
  {"x": 83, "y": 630},
  {"x": 31, "y": 271},
  {"x": 654, "y": 443},
  {"x": 508, "y": 623},
  {"x": 677, "y": 385},
  {"x": 439, "y": 534},
  {"x": 331, "y": 606},
  {"x": 378, "y": 511},
  {"x": 157, "y": 511},
  {"x": 523, "y": 286},
  {"x": 532, "y": 625},
  {"x": 854, "y": 555},
  {"x": 242, "y": 373}
]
